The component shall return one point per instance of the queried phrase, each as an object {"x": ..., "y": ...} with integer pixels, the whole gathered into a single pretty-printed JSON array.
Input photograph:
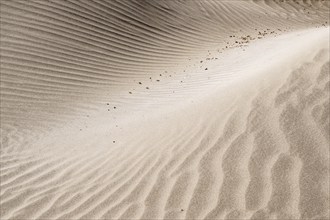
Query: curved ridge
[{"x": 164, "y": 109}]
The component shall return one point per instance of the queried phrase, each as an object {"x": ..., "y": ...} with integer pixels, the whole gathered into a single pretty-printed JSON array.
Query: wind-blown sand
[{"x": 165, "y": 109}]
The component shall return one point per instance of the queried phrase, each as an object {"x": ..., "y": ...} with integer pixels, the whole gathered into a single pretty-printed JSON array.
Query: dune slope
[{"x": 165, "y": 110}]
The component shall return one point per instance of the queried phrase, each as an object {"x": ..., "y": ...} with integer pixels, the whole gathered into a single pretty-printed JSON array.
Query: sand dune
[{"x": 165, "y": 109}]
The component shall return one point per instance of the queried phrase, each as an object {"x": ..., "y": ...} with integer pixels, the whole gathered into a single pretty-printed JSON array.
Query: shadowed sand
[{"x": 165, "y": 110}]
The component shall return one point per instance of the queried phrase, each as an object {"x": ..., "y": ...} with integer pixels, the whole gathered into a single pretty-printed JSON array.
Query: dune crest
[{"x": 165, "y": 110}]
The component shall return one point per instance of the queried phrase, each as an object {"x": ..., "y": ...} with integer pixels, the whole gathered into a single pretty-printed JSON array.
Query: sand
[{"x": 165, "y": 109}]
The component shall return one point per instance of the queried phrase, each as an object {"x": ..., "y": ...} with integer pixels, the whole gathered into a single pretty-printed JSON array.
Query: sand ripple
[{"x": 165, "y": 109}]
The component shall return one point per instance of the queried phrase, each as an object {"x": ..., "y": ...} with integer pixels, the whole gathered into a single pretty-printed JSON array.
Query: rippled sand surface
[{"x": 165, "y": 109}]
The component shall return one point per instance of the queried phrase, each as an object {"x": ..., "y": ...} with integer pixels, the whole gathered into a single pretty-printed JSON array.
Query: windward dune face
[{"x": 195, "y": 109}]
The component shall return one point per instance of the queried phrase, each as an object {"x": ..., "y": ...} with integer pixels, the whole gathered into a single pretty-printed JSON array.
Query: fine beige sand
[{"x": 165, "y": 109}]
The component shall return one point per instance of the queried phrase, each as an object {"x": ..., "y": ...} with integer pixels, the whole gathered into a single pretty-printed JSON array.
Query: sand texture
[{"x": 165, "y": 109}]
